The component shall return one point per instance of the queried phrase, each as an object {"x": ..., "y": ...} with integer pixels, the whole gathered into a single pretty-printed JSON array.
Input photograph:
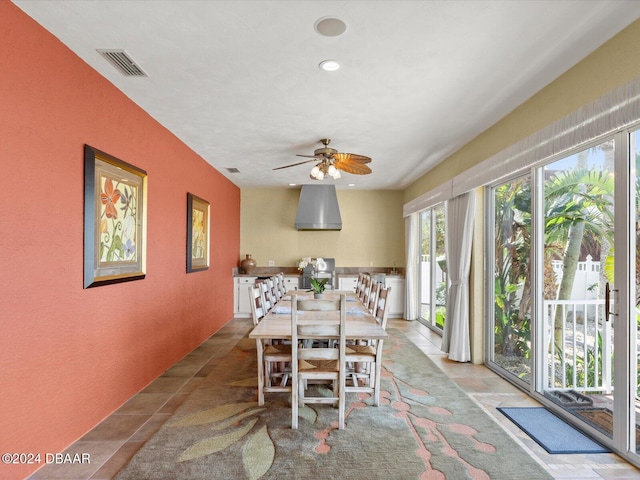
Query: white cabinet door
[
  {"x": 396, "y": 297},
  {"x": 291, "y": 283},
  {"x": 242, "y": 307},
  {"x": 347, "y": 283}
]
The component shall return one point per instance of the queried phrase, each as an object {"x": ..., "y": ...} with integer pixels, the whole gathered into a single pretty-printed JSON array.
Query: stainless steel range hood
[{"x": 318, "y": 208}]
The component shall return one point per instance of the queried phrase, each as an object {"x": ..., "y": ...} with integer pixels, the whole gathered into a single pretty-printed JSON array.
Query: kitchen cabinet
[
  {"x": 241, "y": 304},
  {"x": 396, "y": 296},
  {"x": 347, "y": 283},
  {"x": 291, "y": 282}
]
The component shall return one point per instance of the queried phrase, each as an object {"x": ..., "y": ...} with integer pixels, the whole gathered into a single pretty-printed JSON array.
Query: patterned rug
[{"x": 426, "y": 427}]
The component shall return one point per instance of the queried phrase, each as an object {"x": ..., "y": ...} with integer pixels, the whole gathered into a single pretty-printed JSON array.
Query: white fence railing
[{"x": 581, "y": 358}]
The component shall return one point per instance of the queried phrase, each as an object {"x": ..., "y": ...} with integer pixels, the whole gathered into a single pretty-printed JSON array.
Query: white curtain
[
  {"x": 458, "y": 239},
  {"x": 412, "y": 240}
]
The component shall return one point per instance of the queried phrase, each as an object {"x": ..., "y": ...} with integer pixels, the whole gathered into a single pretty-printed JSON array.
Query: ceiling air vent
[
  {"x": 123, "y": 62},
  {"x": 233, "y": 170}
]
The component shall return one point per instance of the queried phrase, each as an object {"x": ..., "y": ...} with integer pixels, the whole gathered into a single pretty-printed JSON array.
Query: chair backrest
[
  {"x": 366, "y": 287},
  {"x": 319, "y": 330},
  {"x": 373, "y": 297},
  {"x": 281, "y": 285},
  {"x": 275, "y": 288},
  {"x": 257, "y": 308},
  {"x": 382, "y": 307},
  {"x": 267, "y": 302},
  {"x": 359, "y": 284}
]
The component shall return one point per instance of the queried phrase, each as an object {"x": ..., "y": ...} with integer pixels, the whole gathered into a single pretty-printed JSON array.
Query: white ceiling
[{"x": 238, "y": 81}]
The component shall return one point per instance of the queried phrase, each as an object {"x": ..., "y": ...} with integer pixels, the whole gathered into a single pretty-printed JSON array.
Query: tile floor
[{"x": 113, "y": 442}]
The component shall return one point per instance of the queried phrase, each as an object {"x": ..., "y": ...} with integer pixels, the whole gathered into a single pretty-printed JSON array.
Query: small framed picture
[{"x": 197, "y": 233}]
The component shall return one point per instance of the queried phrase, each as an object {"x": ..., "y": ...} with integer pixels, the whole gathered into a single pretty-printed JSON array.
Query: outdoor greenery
[
  {"x": 438, "y": 238},
  {"x": 578, "y": 215}
]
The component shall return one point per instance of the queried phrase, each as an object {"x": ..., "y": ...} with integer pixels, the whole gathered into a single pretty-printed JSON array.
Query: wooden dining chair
[
  {"x": 314, "y": 364},
  {"x": 365, "y": 360},
  {"x": 274, "y": 371}
]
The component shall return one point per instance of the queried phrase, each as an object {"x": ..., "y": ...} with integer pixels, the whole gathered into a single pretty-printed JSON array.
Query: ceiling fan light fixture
[{"x": 329, "y": 65}]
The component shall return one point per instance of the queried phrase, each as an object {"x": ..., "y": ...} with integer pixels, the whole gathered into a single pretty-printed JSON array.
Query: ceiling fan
[{"x": 332, "y": 161}]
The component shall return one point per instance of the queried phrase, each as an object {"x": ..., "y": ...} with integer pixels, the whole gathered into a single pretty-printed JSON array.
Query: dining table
[{"x": 360, "y": 325}]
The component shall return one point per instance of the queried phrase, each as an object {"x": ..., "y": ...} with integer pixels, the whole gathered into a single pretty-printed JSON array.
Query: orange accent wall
[{"x": 68, "y": 356}]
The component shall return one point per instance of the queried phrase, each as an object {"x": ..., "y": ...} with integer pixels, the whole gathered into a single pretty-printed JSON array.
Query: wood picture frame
[
  {"x": 115, "y": 220},
  {"x": 198, "y": 224}
]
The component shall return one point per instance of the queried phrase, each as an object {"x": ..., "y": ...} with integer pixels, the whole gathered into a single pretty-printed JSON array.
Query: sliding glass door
[
  {"x": 563, "y": 267},
  {"x": 577, "y": 354}
]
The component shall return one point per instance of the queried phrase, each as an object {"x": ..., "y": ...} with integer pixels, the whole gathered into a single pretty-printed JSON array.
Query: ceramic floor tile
[
  {"x": 165, "y": 385},
  {"x": 618, "y": 473},
  {"x": 174, "y": 403},
  {"x": 181, "y": 370},
  {"x": 471, "y": 385},
  {"x": 150, "y": 427},
  {"x": 205, "y": 370},
  {"x": 117, "y": 461},
  {"x": 144, "y": 403},
  {"x": 192, "y": 359},
  {"x": 116, "y": 428},
  {"x": 191, "y": 385}
]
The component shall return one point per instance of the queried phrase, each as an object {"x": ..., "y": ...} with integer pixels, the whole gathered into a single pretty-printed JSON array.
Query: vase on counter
[
  {"x": 318, "y": 296},
  {"x": 248, "y": 264}
]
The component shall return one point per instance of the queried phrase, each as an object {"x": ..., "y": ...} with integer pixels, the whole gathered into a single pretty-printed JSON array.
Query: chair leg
[
  {"x": 260, "y": 372},
  {"x": 294, "y": 402},
  {"x": 302, "y": 386},
  {"x": 376, "y": 383},
  {"x": 341, "y": 405}
]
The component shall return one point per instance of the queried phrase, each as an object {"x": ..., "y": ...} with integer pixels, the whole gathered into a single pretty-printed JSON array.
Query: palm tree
[{"x": 577, "y": 200}]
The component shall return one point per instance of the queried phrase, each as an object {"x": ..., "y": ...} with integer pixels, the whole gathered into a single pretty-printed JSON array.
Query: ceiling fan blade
[
  {"x": 310, "y": 156},
  {"x": 356, "y": 168},
  {"x": 351, "y": 157},
  {"x": 295, "y": 164}
]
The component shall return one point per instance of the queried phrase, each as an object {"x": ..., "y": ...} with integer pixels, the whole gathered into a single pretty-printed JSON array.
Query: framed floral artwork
[
  {"x": 197, "y": 233},
  {"x": 115, "y": 226}
]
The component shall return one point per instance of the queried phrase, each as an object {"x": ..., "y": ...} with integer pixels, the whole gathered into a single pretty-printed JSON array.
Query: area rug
[
  {"x": 550, "y": 431},
  {"x": 425, "y": 428}
]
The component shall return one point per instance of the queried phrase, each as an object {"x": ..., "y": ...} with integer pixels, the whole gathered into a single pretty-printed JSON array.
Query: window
[
  {"x": 511, "y": 293},
  {"x": 433, "y": 268}
]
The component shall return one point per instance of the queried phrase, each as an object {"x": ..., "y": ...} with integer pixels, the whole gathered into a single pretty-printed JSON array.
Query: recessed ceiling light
[
  {"x": 329, "y": 65},
  {"x": 292, "y": 184},
  {"x": 330, "y": 26},
  {"x": 352, "y": 185}
]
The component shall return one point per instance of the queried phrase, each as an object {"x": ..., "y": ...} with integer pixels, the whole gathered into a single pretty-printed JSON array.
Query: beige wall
[{"x": 372, "y": 229}]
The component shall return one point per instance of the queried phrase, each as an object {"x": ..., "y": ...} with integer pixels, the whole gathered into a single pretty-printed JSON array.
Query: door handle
[{"x": 607, "y": 301}]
